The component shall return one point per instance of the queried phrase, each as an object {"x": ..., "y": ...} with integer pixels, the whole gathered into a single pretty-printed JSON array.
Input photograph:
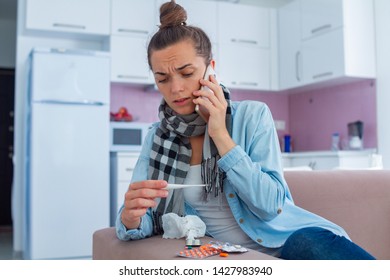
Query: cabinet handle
[
  {"x": 322, "y": 75},
  {"x": 297, "y": 55},
  {"x": 253, "y": 42},
  {"x": 132, "y": 77},
  {"x": 321, "y": 28},
  {"x": 129, "y": 169},
  {"x": 74, "y": 26},
  {"x": 126, "y": 30},
  {"x": 245, "y": 83}
]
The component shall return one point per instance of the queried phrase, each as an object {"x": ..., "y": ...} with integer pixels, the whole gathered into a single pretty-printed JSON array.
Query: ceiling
[{"x": 8, "y": 7}]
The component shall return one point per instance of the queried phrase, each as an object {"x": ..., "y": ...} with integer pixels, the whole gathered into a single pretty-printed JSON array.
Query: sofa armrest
[{"x": 106, "y": 246}]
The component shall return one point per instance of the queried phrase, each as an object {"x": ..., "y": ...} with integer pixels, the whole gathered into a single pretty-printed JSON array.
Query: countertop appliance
[
  {"x": 355, "y": 134},
  {"x": 67, "y": 146},
  {"x": 128, "y": 136}
]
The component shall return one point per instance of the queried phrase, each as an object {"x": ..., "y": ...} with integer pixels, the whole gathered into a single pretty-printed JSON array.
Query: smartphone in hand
[{"x": 201, "y": 110}]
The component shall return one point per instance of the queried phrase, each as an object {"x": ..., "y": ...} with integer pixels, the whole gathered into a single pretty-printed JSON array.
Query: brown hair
[{"x": 174, "y": 29}]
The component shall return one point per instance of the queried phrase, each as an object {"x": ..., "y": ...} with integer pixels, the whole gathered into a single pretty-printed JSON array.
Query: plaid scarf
[{"x": 171, "y": 154}]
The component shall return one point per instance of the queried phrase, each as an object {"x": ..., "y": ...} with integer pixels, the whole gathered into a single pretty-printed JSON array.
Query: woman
[{"x": 234, "y": 151}]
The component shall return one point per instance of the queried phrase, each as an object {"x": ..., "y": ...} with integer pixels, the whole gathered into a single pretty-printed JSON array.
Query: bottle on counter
[
  {"x": 287, "y": 143},
  {"x": 335, "y": 141}
]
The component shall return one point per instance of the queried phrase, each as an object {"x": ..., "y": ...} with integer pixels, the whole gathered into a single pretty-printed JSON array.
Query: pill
[{"x": 222, "y": 254}]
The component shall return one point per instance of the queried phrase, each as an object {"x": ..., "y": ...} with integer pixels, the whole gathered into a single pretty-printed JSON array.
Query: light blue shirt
[{"x": 254, "y": 187}]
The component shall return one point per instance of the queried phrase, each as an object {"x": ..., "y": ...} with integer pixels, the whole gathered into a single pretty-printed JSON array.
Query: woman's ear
[{"x": 212, "y": 63}]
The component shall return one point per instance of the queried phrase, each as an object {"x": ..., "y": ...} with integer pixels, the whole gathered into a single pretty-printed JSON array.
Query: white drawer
[{"x": 126, "y": 167}]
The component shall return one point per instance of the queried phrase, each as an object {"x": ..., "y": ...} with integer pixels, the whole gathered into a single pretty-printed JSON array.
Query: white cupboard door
[
  {"x": 290, "y": 55},
  {"x": 129, "y": 63},
  {"x": 319, "y": 16},
  {"x": 75, "y": 16},
  {"x": 245, "y": 67},
  {"x": 126, "y": 165},
  {"x": 133, "y": 17},
  {"x": 323, "y": 57},
  {"x": 243, "y": 24},
  {"x": 202, "y": 14}
]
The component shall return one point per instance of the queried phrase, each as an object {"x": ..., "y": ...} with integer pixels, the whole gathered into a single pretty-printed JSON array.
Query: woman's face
[{"x": 177, "y": 70}]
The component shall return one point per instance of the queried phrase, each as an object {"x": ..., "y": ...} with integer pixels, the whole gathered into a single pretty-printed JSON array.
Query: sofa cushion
[{"x": 357, "y": 200}]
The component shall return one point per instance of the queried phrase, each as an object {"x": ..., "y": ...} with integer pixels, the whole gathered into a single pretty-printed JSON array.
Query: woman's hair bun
[{"x": 172, "y": 14}]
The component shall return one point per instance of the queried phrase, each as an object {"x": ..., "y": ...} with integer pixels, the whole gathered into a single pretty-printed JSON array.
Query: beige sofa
[{"x": 359, "y": 201}]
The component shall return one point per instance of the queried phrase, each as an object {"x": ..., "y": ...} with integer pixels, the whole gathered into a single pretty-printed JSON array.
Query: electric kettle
[{"x": 355, "y": 135}]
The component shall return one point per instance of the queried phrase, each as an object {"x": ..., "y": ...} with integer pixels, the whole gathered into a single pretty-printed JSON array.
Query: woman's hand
[
  {"x": 216, "y": 104},
  {"x": 139, "y": 197}
]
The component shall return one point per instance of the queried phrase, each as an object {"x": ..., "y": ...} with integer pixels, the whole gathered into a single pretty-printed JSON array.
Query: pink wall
[
  {"x": 315, "y": 115},
  {"x": 311, "y": 117},
  {"x": 143, "y": 105}
]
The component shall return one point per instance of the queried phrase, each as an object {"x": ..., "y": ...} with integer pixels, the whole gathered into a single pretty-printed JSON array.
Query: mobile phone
[{"x": 201, "y": 110}]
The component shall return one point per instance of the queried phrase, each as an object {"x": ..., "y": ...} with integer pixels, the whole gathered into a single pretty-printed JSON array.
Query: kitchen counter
[{"x": 327, "y": 160}]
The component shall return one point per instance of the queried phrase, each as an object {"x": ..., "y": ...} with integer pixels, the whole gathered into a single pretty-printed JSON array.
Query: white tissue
[{"x": 177, "y": 227}]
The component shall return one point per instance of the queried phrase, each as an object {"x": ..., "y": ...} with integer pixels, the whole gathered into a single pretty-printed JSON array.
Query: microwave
[{"x": 128, "y": 136}]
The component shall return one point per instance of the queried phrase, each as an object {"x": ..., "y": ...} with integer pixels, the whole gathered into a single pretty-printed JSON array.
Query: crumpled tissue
[{"x": 190, "y": 226}]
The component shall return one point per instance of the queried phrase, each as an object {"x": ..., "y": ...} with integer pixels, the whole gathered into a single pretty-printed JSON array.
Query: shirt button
[
  {"x": 241, "y": 221},
  {"x": 231, "y": 195},
  {"x": 259, "y": 240},
  {"x": 279, "y": 211}
]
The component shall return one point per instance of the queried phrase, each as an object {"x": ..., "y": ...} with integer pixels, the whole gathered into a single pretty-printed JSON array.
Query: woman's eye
[
  {"x": 187, "y": 74},
  {"x": 162, "y": 81}
]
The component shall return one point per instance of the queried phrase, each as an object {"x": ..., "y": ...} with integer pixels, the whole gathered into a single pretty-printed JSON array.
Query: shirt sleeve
[
  {"x": 144, "y": 230},
  {"x": 253, "y": 167}
]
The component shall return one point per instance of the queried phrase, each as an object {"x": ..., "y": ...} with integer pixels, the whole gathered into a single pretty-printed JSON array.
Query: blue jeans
[{"x": 315, "y": 243}]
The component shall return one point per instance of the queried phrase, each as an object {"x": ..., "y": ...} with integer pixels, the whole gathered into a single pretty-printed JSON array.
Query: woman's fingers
[{"x": 148, "y": 184}]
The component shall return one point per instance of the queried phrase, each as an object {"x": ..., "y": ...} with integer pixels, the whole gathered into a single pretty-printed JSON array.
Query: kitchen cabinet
[
  {"x": 132, "y": 24},
  {"x": 320, "y": 16},
  {"x": 244, "y": 67},
  {"x": 133, "y": 17},
  {"x": 337, "y": 46},
  {"x": 244, "y": 46},
  {"x": 129, "y": 62},
  {"x": 122, "y": 168},
  {"x": 328, "y": 160},
  {"x": 290, "y": 54},
  {"x": 74, "y": 16},
  {"x": 243, "y": 24},
  {"x": 321, "y": 59}
]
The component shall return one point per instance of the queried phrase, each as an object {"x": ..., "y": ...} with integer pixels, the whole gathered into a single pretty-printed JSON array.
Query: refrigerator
[{"x": 66, "y": 193}]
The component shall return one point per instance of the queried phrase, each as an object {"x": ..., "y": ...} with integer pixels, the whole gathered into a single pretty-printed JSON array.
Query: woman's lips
[{"x": 181, "y": 101}]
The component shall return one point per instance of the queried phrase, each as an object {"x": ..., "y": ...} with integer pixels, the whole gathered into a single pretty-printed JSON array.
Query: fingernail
[{"x": 164, "y": 183}]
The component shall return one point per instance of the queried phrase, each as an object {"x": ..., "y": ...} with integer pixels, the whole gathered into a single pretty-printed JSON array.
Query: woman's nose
[{"x": 177, "y": 85}]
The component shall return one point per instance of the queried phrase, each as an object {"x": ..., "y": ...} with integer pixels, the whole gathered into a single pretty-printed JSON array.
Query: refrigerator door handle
[{"x": 66, "y": 102}]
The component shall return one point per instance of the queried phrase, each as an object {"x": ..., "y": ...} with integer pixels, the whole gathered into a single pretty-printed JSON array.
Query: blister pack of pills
[
  {"x": 229, "y": 248},
  {"x": 201, "y": 252}
]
